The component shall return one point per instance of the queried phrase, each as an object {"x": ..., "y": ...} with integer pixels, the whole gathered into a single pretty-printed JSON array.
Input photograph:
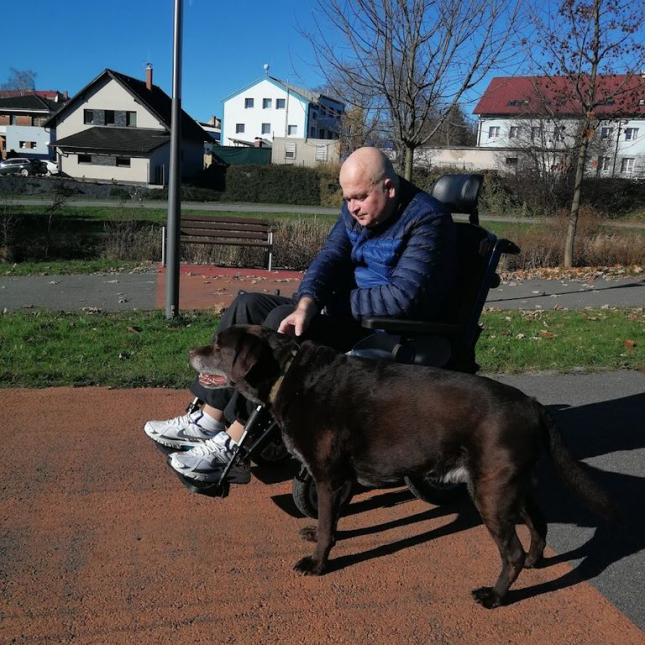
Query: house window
[
  {"x": 123, "y": 162},
  {"x": 321, "y": 133},
  {"x": 536, "y": 133},
  {"x": 511, "y": 161},
  {"x": 266, "y": 128},
  {"x": 321, "y": 153},
  {"x": 558, "y": 133},
  {"x": 631, "y": 134},
  {"x": 292, "y": 131},
  {"x": 290, "y": 151},
  {"x": 514, "y": 132},
  {"x": 88, "y": 117},
  {"x": 280, "y": 104},
  {"x": 603, "y": 163},
  {"x": 110, "y": 117},
  {"x": 248, "y": 103},
  {"x": 84, "y": 159},
  {"x": 493, "y": 132},
  {"x": 627, "y": 165},
  {"x": 606, "y": 132},
  {"x": 517, "y": 102},
  {"x": 239, "y": 128},
  {"x": 312, "y": 132},
  {"x": 131, "y": 119},
  {"x": 267, "y": 104}
]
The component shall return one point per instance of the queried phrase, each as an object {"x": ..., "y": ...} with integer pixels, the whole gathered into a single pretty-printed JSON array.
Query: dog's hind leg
[
  {"x": 329, "y": 499},
  {"x": 534, "y": 520},
  {"x": 500, "y": 509}
]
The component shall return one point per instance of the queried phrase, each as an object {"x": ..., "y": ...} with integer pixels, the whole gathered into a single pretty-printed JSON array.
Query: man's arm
[{"x": 331, "y": 267}]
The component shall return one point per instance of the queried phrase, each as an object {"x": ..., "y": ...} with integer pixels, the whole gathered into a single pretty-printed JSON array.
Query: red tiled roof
[{"x": 525, "y": 95}]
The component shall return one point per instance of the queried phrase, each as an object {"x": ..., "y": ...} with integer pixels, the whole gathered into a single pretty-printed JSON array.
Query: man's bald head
[
  {"x": 370, "y": 186},
  {"x": 370, "y": 164}
]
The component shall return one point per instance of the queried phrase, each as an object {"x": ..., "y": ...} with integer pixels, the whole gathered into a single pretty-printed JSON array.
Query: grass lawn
[{"x": 137, "y": 349}]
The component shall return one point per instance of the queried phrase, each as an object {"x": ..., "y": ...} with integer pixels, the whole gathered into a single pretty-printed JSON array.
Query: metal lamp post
[{"x": 174, "y": 185}]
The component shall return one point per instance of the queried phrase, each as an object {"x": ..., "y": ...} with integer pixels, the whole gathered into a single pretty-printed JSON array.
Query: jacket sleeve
[
  {"x": 330, "y": 267},
  {"x": 421, "y": 277}
]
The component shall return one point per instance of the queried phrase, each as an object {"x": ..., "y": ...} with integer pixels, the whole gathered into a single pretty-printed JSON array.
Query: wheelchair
[{"x": 448, "y": 343}]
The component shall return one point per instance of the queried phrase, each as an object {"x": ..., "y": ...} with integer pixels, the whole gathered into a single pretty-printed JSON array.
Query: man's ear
[
  {"x": 389, "y": 187},
  {"x": 248, "y": 351}
]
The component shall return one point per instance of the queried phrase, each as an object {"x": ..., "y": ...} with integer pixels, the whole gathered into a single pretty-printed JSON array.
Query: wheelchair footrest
[{"x": 211, "y": 489}]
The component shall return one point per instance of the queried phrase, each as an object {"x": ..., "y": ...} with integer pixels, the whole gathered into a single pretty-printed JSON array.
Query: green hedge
[{"x": 273, "y": 185}]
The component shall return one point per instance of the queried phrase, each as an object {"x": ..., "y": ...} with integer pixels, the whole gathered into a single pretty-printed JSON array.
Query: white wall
[
  {"x": 294, "y": 113},
  {"x": 109, "y": 95},
  {"x": 17, "y": 133},
  {"x": 615, "y": 146}
]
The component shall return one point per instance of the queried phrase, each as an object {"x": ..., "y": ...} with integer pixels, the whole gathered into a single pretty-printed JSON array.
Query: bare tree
[
  {"x": 597, "y": 47},
  {"x": 412, "y": 59},
  {"x": 20, "y": 80}
]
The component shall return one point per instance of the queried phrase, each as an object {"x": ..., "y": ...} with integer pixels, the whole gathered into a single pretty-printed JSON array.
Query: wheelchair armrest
[
  {"x": 402, "y": 326},
  {"x": 506, "y": 246}
]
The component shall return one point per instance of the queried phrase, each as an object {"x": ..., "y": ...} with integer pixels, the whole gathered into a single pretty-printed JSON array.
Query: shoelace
[{"x": 219, "y": 443}]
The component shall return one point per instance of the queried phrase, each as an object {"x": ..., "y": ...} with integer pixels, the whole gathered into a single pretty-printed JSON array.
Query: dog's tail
[{"x": 574, "y": 475}]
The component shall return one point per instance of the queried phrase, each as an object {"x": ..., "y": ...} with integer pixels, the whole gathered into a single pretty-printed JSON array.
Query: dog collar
[{"x": 273, "y": 394}]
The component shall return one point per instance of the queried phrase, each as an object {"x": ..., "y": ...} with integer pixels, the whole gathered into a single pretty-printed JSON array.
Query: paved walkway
[{"x": 203, "y": 287}]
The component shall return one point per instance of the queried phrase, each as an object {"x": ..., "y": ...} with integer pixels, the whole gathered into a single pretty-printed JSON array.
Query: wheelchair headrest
[{"x": 459, "y": 192}]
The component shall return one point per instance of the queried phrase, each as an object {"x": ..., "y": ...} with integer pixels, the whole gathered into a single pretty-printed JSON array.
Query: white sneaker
[
  {"x": 182, "y": 432},
  {"x": 206, "y": 461}
]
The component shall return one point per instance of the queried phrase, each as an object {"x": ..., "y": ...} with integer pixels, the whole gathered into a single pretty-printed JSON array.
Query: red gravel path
[{"x": 101, "y": 545}]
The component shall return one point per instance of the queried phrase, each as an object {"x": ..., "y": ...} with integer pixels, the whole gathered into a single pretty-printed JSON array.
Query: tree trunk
[
  {"x": 575, "y": 204},
  {"x": 409, "y": 160}
]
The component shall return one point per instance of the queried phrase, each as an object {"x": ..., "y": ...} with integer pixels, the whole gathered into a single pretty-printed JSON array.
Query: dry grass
[{"x": 296, "y": 243}]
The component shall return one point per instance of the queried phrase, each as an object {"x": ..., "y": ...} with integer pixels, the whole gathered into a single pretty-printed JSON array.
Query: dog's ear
[{"x": 248, "y": 351}]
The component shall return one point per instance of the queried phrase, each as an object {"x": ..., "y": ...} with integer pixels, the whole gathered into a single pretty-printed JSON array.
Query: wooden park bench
[{"x": 225, "y": 231}]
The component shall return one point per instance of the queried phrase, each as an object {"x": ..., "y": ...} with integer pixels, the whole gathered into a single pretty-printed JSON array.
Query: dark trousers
[{"x": 262, "y": 309}]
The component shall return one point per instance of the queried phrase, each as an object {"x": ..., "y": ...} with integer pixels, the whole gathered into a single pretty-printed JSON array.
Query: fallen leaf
[{"x": 629, "y": 343}]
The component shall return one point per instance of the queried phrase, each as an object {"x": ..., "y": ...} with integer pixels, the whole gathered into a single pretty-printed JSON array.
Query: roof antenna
[{"x": 266, "y": 68}]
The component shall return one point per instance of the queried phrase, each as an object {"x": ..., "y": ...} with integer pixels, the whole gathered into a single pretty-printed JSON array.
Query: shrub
[{"x": 273, "y": 185}]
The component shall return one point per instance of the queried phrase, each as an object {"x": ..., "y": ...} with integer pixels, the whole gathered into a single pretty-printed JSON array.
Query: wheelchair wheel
[
  {"x": 305, "y": 495},
  {"x": 434, "y": 491}
]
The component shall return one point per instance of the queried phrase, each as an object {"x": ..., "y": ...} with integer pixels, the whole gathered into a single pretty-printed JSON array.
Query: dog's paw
[
  {"x": 309, "y": 567},
  {"x": 533, "y": 562},
  {"x": 487, "y": 597},
  {"x": 308, "y": 533}
]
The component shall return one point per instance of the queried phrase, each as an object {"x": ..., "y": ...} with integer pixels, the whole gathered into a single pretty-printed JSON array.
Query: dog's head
[{"x": 249, "y": 358}]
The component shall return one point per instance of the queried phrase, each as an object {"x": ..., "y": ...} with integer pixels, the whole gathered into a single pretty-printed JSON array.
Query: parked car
[
  {"x": 22, "y": 166},
  {"x": 51, "y": 167}
]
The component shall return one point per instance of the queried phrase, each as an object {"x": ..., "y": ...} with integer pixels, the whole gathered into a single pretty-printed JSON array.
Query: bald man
[{"x": 392, "y": 252}]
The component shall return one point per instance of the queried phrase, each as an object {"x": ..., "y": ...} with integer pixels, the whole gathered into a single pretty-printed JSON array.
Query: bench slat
[
  {"x": 243, "y": 235},
  {"x": 227, "y": 242},
  {"x": 194, "y": 226}
]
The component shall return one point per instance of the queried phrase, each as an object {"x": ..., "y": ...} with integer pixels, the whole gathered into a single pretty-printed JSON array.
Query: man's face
[{"x": 369, "y": 204}]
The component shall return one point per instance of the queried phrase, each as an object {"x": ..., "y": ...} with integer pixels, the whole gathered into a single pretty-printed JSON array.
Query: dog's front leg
[{"x": 328, "y": 511}]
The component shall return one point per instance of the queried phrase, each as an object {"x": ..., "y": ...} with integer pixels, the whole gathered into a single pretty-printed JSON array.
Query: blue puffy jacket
[{"x": 403, "y": 268}]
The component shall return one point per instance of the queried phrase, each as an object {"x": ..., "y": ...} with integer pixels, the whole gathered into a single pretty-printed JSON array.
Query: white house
[
  {"x": 269, "y": 107},
  {"x": 529, "y": 117},
  {"x": 22, "y": 117},
  {"x": 117, "y": 128}
]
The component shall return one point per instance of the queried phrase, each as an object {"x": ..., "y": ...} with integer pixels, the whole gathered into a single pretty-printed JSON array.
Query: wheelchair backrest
[{"x": 460, "y": 194}]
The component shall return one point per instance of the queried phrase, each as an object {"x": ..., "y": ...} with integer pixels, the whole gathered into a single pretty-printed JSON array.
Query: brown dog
[{"x": 377, "y": 422}]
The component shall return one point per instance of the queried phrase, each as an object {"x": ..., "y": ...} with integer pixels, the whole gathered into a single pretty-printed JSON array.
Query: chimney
[{"x": 149, "y": 76}]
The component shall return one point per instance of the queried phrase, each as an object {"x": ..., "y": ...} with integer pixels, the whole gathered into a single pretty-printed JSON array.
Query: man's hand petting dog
[{"x": 349, "y": 418}]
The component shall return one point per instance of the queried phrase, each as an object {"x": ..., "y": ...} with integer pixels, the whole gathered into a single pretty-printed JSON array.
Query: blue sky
[{"x": 70, "y": 42}]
